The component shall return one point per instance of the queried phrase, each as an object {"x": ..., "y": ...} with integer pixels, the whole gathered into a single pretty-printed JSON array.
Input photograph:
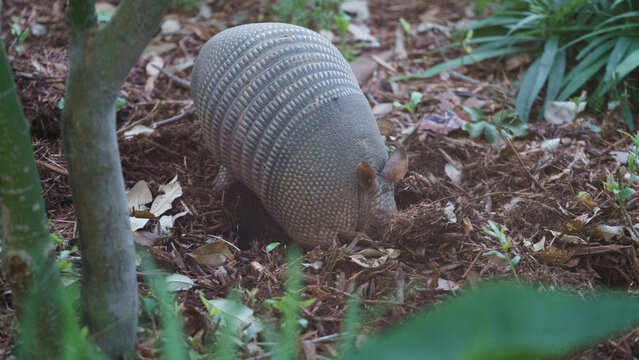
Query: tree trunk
[
  {"x": 27, "y": 261},
  {"x": 100, "y": 59}
]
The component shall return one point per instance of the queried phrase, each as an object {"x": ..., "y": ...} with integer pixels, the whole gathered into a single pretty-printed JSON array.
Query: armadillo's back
[{"x": 264, "y": 94}]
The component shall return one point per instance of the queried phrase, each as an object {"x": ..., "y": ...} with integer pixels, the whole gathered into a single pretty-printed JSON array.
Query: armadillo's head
[{"x": 377, "y": 195}]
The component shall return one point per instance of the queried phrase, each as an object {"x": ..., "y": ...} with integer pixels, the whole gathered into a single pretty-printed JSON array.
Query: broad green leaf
[
  {"x": 500, "y": 322},
  {"x": 491, "y": 134},
  {"x": 515, "y": 260},
  {"x": 625, "y": 193},
  {"x": 535, "y": 78},
  {"x": 464, "y": 60},
  {"x": 474, "y": 113},
  {"x": 475, "y": 129}
]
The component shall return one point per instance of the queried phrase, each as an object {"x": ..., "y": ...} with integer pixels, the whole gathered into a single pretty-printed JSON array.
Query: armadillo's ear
[
  {"x": 396, "y": 166},
  {"x": 366, "y": 176}
]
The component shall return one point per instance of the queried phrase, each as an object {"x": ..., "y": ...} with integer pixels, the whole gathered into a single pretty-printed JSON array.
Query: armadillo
[{"x": 282, "y": 112}]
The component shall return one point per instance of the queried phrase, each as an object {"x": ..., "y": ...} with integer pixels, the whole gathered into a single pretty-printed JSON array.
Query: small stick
[
  {"x": 177, "y": 79},
  {"x": 186, "y": 113},
  {"x": 521, "y": 162}
]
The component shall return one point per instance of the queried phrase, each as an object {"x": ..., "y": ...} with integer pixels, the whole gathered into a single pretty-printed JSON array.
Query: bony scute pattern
[{"x": 282, "y": 111}]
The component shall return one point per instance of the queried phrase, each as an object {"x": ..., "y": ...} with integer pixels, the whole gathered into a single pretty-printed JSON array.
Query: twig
[
  {"x": 138, "y": 122},
  {"x": 177, "y": 79},
  {"x": 521, "y": 162},
  {"x": 186, "y": 113}
]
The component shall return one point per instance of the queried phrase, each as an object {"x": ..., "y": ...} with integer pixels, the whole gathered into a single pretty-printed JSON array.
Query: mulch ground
[{"x": 455, "y": 184}]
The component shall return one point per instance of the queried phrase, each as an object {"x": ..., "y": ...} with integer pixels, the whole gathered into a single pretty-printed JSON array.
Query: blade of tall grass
[
  {"x": 631, "y": 14},
  {"x": 630, "y": 63},
  {"x": 623, "y": 45},
  {"x": 593, "y": 45},
  {"x": 172, "y": 344},
  {"x": 525, "y": 21},
  {"x": 349, "y": 325},
  {"x": 464, "y": 60},
  {"x": 535, "y": 78},
  {"x": 556, "y": 76},
  {"x": 580, "y": 78},
  {"x": 602, "y": 31}
]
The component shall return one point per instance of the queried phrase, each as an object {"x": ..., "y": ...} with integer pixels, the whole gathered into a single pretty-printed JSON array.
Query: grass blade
[
  {"x": 556, "y": 76},
  {"x": 577, "y": 81},
  {"x": 535, "y": 78},
  {"x": 464, "y": 60}
]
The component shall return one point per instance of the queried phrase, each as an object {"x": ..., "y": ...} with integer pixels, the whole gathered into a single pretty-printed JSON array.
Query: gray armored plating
[{"x": 282, "y": 112}]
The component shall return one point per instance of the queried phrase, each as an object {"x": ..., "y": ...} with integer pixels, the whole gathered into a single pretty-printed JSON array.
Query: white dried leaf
[
  {"x": 139, "y": 196},
  {"x": 170, "y": 27},
  {"x": 562, "y": 112},
  {"x": 358, "y": 8},
  {"x": 167, "y": 222},
  {"x": 137, "y": 223},
  {"x": 449, "y": 211},
  {"x": 550, "y": 144},
  {"x": 154, "y": 65},
  {"x": 453, "y": 173},
  {"x": 137, "y": 130},
  {"x": 361, "y": 32},
  {"x": 162, "y": 202},
  {"x": 177, "y": 282}
]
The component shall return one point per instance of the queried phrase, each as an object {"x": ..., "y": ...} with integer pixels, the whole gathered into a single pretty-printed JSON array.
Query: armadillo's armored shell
[{"x": 282, "y": 111}]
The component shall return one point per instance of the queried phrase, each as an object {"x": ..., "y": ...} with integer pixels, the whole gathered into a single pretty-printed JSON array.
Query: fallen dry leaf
[{"x": 215, "y": 253}]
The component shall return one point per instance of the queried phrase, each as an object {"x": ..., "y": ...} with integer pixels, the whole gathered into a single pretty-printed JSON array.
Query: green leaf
[
  {"x": 496, "y": 253},
  {"x": 474, "y": 113},
  {"x": 464, "y": 60},
  {"x": 593, "y": 45},
  {"x": 501, "y": 321},
  {"x": 535, "y": 78},
  {"x": 528, "y": 19},
  {"x": 515, "y": 260},
  {"x": 342, "y": 23},
  {"x": 630, "y": 14},
  {"x": 119, "y": 103},
  {"x": 271, "y": 246},
  {"x": 491, "y": 134},
  {"x": 556, "y": 76},
  {"x": 148, "y": 305},
  {"x": 415, "y": 99},
  {"x": 625, "y": 193},
  {"x": 630, "y": 63},
  {"x": 23, "y": 36},
  {"x": 405, "y": 25},
  {"x": 475, "y": 129},
  {"x": 581, "y": 77}
]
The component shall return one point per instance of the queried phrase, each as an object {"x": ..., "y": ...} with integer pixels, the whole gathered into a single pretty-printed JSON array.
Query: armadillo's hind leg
[{"x": 223, "y": 181}]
